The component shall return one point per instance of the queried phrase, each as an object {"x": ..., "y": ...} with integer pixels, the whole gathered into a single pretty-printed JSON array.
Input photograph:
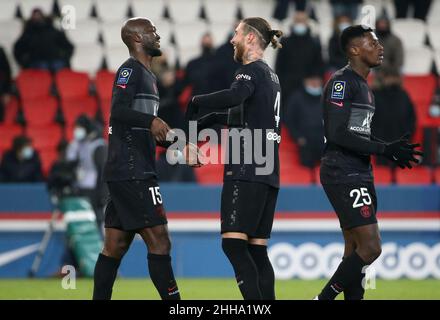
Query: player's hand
[
  {"x": 402, "y": 152},
  {"x": 159, "y": 129},
  {"x": 191, "y": 109},
  {"x": 192, "y": 155}
]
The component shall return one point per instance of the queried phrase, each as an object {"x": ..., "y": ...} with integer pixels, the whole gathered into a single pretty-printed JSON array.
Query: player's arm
[
  {"x": 338, "y": 132},
  {"x": 338, "y": 107},
  {"x": 125, "y": 90},
  {"x": 241, "y": 89},
  {"x": 123, "y": 95}
]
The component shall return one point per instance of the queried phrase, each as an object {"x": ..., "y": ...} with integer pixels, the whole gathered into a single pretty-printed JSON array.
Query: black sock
[
  {"x": 246, "y": 272},
  {"x": 347, "y": 274},
  {"x": 106, "y": 269},
  {"x": 266, "y": 276},
  {"x": 161, "y": 273},
  {"x": 355, "y": 291}
]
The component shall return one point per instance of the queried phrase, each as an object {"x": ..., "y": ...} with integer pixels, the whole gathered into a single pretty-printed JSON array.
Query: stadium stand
[
  {"x": 87, "y": 58},
  {"x": 40, "y": 112},
  {"x": 111, "y": 10},
  {"x": 83, "y": 8},
  {"x": 34, "y": 84},
  {"x": 155, "y": 9},
  {"x": 96, "y": 37},
  {"x": 8, "y": 132},
  {"x": 26, "y": 7},
  {"x": 417, "y": 175}
]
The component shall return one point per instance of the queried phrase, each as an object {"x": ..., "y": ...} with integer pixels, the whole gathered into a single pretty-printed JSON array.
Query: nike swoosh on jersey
[
  {"x": 339, "y": 104},
  {"x": 123, "y": 86}
]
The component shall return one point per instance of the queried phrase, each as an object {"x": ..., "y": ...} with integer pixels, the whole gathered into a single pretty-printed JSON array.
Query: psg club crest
[{"x": 366, "y": 211}]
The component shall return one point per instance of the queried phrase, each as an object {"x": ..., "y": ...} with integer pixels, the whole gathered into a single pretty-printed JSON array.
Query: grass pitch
[{"x": 212, "y": 289}]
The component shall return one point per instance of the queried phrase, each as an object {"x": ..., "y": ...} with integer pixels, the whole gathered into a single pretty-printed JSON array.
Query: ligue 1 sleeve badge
[
  {"x": 338, "y": 90},
  {"x": 124, "y": 75}
]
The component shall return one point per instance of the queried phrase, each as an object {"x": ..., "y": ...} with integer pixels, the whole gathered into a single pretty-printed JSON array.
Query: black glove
[
  {"x": 402, "y": 153},
  {"x": 191, "y": 110}
]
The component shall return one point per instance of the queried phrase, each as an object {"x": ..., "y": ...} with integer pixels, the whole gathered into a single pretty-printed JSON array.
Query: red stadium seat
[
  {"x": 420, "y": 90},
  {"x": 40, "y": 112},
  {"x": 45, "y": 138},
  {"x": 72, "y": 84},
  {"x": 75, "y": 107},
  {"x": 437, "y": 175},
  {"x": 296, "y": 174},
  {"x": 7, "y": 133},
  {"x": 382, "y": 174},
  {"x": 418, "y": 175},
  {"x": 105, "y": 109},
  {"x": 11, "y": 111},
  {"x": 288, "y": 148},
  {"x": 104, "y": 83},
  {"x": 48, "y": 157},
  {"x": 34, "y": 83},
  {"x": 210, "y": 173}
]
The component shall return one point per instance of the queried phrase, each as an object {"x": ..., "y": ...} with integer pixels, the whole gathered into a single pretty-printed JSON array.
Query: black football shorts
[
  {"x": 248, "y": 207},
  {"x": 355, "y": 204},
  {"x": 134, "y": 205}
]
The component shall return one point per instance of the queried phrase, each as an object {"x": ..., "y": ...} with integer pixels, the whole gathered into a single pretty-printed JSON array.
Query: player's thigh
[
  {"x": 349, "y": 242},
  {"x": 242, "y": 205},
  {"x": 355, "y": 203},
  {"x": 264, "y": 228}
]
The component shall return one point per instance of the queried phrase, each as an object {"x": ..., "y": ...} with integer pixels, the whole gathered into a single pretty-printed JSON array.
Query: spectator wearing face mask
[
  {"x": 303, "y": 118},
  {"x": 41, "y": 45},
  {"x": 21, "y": 163},
  {"x": 392, "y": 47},
  {"x": 89, "y": 151},
  {"x": 199, "y": 70},
  {"x": 337, "y": 58},
  {"x": 301, "y": 52}
]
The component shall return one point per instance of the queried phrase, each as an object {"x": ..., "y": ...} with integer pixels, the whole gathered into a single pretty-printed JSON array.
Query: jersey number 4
[
  {"x": 362, "y": 197},
  {"x": 276, "y": 108},
  {"x": 155, "y": 195}
]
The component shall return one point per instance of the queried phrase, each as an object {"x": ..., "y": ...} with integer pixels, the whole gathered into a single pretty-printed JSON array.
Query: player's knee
[
  {"x": 233, "y": 247},
  {"x": 370, "y": 251},
  {"x": 160, "y": 246},
  {"x": 116, "y": 250}
]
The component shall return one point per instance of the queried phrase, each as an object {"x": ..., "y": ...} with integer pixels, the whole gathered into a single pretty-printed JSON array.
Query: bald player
[{"x": 135, "y": 204}]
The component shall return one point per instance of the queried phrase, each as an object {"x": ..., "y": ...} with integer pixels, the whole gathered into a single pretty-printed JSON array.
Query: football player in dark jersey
[
  {"x": 135, "y": 204},
  {"x": 346, "y": 173},
  {"x": 249, "y": 198}
]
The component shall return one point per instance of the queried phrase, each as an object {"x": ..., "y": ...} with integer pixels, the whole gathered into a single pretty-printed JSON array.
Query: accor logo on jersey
[{"x": 243, "y": 76}]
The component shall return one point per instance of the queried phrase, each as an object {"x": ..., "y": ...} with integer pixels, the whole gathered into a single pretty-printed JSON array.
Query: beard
[
  {"x": 238, "y": 53},
  {"x": 151, "y": 50}
]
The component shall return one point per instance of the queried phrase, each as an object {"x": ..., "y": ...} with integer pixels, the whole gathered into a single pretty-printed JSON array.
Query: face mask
[
  {"x": 79, "y": 133},
  {"x": 383, "y": 33},
  {"x": 300, "y": 29},
  {"x": 344, "y": 25},
  {"x": 27, "y": 152},
  {"x": 314, "y": 91}
]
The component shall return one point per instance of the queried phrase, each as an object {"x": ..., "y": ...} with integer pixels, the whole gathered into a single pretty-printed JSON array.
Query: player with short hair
[
  {"x": 248, "y": 199},
  {"x": 346, "y": 172},
  {"x": 135, "y": 204}
]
